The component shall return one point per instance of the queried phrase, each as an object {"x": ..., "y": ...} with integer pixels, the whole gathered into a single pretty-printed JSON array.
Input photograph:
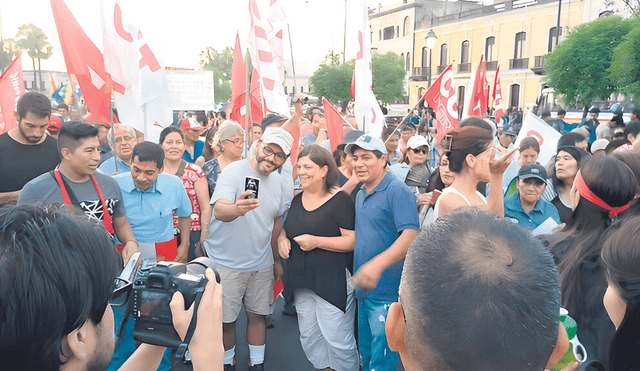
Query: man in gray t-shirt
[
  {"x": 76, "y": 177},
  {"x": 239, "y": 239}
]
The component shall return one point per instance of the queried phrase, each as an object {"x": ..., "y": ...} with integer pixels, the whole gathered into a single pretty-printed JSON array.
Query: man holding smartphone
[{"x": 248, "y": 202}]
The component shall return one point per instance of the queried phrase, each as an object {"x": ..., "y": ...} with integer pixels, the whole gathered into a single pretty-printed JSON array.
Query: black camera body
[{"x": 153, "y": 289}]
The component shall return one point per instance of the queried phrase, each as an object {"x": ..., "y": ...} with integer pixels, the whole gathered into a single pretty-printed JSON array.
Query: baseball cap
[
  {"x": 55, "y": 122},
  {"x": 367, "y": 142},
  {"x": 532, "y": 171},
  {"x": 509, "y": 130},
  {"x": 417, "y": 141},
  {"x": 352, "y": 136},
  {"x": 280, "y": 137},
  {"x": 272, "y": 118},
  {"x": 599, "y": 144},
  {"x": 190, "y": 124}
]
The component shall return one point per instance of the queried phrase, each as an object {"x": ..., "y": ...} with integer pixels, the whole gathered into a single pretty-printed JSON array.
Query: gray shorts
[{"x": 253, "y": 289}]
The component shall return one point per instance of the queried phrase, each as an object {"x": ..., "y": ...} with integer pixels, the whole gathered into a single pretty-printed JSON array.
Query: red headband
[{"x": 585, "y": 192}]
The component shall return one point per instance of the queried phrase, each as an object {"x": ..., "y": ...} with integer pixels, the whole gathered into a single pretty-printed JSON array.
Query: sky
[{"x": 180, "y": 30}]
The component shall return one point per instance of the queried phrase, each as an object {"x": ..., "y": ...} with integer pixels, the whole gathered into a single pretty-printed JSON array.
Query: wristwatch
[{"x": 295, "y": 100}]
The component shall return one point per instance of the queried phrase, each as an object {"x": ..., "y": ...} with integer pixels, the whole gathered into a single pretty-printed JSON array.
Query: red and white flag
[
  {"x": 486, "y": 88},
  {"x": 443, "y": 98},
  {"x": 257, "y": 102},
  {"x": 334, "y": 124},
  {"x": 11, "y": 89},
  {"x": 139, "y": 81},
  {"x": 238, "y": 85},
  {"x": 475, "y": 104},
  {"x": 84, "y": 60},
  {"x": 497, "y": 97},
  {"x": 267, "y": 54}
]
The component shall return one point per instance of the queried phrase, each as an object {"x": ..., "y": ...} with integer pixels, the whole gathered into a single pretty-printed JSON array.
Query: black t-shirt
[
  {"x": 343, "y": 179},
  {"x": 319, "y": 270},
  {"x": 564, "y": 212},
  {"x": 21, "y": 163}
]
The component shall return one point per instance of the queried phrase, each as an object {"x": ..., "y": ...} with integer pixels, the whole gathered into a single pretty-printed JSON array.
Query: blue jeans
[{"x": 372, "y": 340}]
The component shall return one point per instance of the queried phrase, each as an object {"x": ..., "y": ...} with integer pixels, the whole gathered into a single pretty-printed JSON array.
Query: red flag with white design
[
  {"x": 334, "y": 124},
  {"x": 443, "y": 98},
  {"x": 139, "y": 81},
  {"x": 257, "y": 103},
  {"x": 475, "y": 103},
  {"x": 84, "y": 60},
  {"x": 11, "y": 88},
  {"x": 497, "y": 97},
  {"x": 295, "y": 133},
  {"x": 486, "y": 89},
  {"x": 267, "y": 54}
]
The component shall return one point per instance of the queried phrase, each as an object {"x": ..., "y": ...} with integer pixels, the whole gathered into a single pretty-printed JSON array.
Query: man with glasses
[
  {"x": 240, "y": 236},
  {"x": 121, "y": 139}
]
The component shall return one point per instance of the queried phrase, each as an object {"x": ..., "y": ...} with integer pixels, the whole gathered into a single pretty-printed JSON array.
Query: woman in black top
[{"x": 317, "y": 238}]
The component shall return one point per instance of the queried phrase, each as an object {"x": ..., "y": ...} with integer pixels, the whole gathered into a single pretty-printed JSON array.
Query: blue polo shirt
[
  {"x": 150, "y": 212},
  {"x": 198, "y": 147},
  {"x": 541, "y": 212},
  {"x": 114, "y": 165},
  {"x": 380, "y": 217}
]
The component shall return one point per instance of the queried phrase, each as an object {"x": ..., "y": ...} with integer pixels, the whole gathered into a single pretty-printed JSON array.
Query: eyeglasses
[
  {"x": 280, "y": 156},
  {"x": 419, "y": 151},
  {"x": 237, "y": 142},
  {"x": 121, "y": 291},
  {"x": 125, "y": 139}
]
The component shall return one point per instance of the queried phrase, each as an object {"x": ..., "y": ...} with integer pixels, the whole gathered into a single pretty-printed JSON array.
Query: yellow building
[{"x": 514, "y": 34}]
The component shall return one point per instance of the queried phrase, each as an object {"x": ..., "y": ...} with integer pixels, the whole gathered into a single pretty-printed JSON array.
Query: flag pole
[
  {"x": 76, "y": 100},
  {"x": 411, "y": 110},
  {"x": 248, "y": 130}
]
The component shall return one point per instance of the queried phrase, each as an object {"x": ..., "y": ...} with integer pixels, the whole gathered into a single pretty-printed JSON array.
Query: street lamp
[{"x": 431, "y": 42}]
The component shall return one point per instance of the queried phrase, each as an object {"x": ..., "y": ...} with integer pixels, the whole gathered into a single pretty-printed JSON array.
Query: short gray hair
[{"x": 111, "y": 133}]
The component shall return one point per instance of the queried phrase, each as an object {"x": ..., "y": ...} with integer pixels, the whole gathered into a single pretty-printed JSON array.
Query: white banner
[
  {"x": 191, "y": 90},
  {"x": 533, "y": 126}
]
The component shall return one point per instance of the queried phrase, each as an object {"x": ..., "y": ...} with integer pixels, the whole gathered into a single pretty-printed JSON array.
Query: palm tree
[
  {"x": 34, "y": 41},
  {"x": 9, "y": 49}
]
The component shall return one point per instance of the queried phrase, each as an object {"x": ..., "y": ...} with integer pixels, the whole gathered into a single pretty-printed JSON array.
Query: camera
[{"x": 153, "y": 289}]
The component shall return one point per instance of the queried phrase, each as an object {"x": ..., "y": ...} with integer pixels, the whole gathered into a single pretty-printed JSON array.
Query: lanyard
[{"x": 106, "y": 219}]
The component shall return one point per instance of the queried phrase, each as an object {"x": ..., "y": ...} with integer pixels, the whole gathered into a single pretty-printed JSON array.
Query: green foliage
[
  {"x": 625, "y": 67},
  {"x": 34, "y": 41},
  {"x": 332, "y": 58},
  {"x": 388, "y": 77},
  {"x": 221, "y": 63},
  {"x": 332, "y": 81},
  {"x": 9, "y": 49},
  {"x": 578, "y": 67}
]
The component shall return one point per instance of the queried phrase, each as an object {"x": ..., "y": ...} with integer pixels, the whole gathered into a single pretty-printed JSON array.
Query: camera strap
[{"x": 182, "y": 348}]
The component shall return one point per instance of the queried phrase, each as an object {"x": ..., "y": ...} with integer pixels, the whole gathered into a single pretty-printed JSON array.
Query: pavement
[{"x": 283, "y": 351}]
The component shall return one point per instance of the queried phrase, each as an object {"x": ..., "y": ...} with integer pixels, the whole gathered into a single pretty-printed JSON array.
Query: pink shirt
[{"x": 192, "y": 173}]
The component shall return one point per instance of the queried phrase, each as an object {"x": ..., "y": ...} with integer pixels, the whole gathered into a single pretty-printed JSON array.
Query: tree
[
  {"x": 388, "y": 77},
  {"x": 221, "y": 63},
  {"x": 625, "y": 67},
  {"x": 578, "y": 67},
  {"x": 34, "y": 41},
  {"x": 332, "y": 81},
  {"x": 9, "y": 49}
]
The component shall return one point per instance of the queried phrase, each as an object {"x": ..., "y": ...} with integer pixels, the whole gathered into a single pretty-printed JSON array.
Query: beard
[
  {"x": 262, "y": 160},
  {"x": 29, "y": 139}
]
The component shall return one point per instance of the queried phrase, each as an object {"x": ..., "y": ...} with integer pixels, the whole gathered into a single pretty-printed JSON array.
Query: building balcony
[
  {"x": 421, "y": 73},
  {"x": 442, "y": 68},
  {"x": 518, "y": 64},
  {"x": 538, "y": 65},
  {"x": 492, "y": 66},
  {"x": 464, "y": 67}
]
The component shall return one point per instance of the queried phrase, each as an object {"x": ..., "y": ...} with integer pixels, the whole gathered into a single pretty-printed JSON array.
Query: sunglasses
[
  {"x": 121, "y": 291},
  {"x": 419, "y": 151}
]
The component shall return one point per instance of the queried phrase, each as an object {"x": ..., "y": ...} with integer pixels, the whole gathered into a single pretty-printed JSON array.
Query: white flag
[
  {"x": 140, "y": 84},
  {"x": 547, "y": 136}
]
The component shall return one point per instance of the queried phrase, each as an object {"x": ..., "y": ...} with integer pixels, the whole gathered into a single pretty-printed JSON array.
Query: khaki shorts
[{"x": 253, "y": 289}]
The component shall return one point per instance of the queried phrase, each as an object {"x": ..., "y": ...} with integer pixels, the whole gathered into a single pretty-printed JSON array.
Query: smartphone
[
  {"x": 434, "y": 196},
  {"x": 251, "y": 184}
]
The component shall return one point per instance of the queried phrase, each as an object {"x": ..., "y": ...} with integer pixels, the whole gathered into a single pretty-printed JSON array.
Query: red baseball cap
[
  {"x": 55, "y": 122},
  {"x": 191, "y": 124}
]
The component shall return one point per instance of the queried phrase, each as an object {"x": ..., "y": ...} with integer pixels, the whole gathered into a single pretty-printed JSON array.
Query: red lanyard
[{"x": 106, "y": 219}]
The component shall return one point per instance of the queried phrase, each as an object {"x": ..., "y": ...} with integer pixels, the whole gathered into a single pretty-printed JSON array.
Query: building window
[
  {"x": 553, "y": 37},
  {"x": 464, "y": 52},
  {"x": 397, "y": 31},
  {"x": 388, "y": 33},
  {"x": 408, "y": 63},
  {"x": 425, "y": 56},
  {"x": 518, "y": 51},
  {"x": 488, "y": 48},
  {"x": 405, "y": 28},
  {"x": 444, "y": 57},
  {"x": 379, "y": 35},
  {"x": 514, "y": 96}
]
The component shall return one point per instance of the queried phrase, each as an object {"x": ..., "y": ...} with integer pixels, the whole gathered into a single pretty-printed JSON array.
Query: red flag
[
  {"x": 84, "y": 60},
  {"x": 257, "y": 103},
  {"x": 334, "y": 124},
  {"x": 485, "y": 86},
  {"x": 497, "y": 97},
  {"x": 238, "y": 85},
  {"x": 295, "y": 133},
  {"x": 477, "y": 104},
  {"x": 443, "y": 98},
  {"x": 11, "y": 88}
]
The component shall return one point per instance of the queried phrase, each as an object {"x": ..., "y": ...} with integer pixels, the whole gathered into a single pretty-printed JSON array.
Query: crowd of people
[{"x": 455, "y": 254}]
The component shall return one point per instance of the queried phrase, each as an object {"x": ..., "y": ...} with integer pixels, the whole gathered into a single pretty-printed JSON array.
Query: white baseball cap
[
  {"x": 280, "y": 137},
  {"x": 417, "y": 141},
  {"x": 367, "y": 142}
]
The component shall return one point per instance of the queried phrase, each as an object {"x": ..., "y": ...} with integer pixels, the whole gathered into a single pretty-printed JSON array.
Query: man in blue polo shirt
[
  {"x": 150, "y": 198},
  {"x": 526, "y": 205},
  {"x": 386, "y": 225}
]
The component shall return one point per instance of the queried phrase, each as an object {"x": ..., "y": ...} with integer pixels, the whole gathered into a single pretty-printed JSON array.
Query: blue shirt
[
  {"x": 541, "y": 212},
  {"x": 380, "y": 217},
  {"x": 114, "y": 165},
  {"x": 150, "y": 212},
  {"x": 197, "y": 152}
]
